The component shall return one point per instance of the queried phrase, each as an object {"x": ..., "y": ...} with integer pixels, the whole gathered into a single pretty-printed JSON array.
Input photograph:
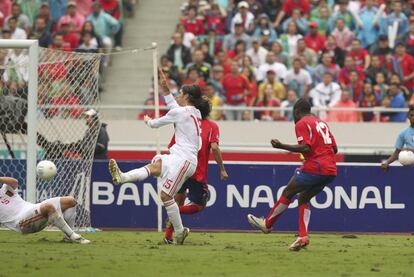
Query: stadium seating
[{"x": 338, "y": 54}]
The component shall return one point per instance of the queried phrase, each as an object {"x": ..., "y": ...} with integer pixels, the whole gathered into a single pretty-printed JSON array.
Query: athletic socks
[
  {"x": 185, "y": 209},
  {"x": 134, "y": 175},
  {"x": 70, "y": 215},
  {"x": 57, "y": 220},
  {"x": 189, "y": 209},
  {"x": 173, "y": 213},
  {"x": 304, "y": 218},
  {"x": 281, "y": 205}
]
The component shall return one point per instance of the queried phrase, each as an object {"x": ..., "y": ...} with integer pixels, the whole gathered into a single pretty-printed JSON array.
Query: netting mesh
[{"x": 67, "y": 131}]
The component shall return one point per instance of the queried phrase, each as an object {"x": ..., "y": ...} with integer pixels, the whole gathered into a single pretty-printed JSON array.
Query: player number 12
[{"x": 323, "y": 129}]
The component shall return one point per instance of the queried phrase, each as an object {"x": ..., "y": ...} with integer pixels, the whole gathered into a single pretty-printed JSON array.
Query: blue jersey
[{"x": 406, "y": 137}]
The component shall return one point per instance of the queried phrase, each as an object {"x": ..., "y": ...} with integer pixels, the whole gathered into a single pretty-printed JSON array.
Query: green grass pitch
[{"x": 205, "y": 254}]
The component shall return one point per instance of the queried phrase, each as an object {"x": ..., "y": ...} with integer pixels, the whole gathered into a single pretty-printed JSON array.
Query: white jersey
[
  {"x": 11, "y": 205},
  {"x": 187, "y": 121}
]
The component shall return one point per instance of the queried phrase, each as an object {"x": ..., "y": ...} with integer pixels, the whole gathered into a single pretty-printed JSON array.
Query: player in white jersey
[
  {"x": 25, "y": 217},
  {"x": 173, "y": 169}
]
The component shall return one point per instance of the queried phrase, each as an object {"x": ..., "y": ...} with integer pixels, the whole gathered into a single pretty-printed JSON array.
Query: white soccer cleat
[
  {"x": 179, "y": 238},
  {"x": 115, "y": 172},
  {"x": 259, "y": 223},
  {"x": 76, "y": 238},
  {"x": 299, "y": 243}
]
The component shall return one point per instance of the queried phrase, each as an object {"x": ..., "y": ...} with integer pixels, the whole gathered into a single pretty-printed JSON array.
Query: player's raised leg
[
  {"x": 52, "y": 210},
  {"x": 138, "y": 174},
  {"x": 281, "y": 205}
]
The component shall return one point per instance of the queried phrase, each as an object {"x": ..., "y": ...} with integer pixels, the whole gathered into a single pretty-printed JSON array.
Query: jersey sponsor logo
[{"x": 300, "y": 138}]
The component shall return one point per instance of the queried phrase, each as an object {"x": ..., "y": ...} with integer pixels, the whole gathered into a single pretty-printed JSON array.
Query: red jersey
[
  {"x": 235, "y": 87},
  {"x": 359, "y": 56},
  {"x": 403, "y": 67},
  {"x": 302, "y": 5},
  {"x": 316, "y": 43},
  {"x": 210, "y": 133},
  {"x": 314, "y": 132}
]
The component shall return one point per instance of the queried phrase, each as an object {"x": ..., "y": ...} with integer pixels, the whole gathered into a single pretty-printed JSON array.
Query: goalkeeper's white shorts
[
  {"x": 30, "y": 220},
  {"x": 174, "y": 172}
]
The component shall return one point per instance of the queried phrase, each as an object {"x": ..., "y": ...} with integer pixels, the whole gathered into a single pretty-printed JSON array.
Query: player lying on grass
[
  {"x": 173, "y": 169},
  {"x": 405, "y": 138},
  {"x": 195, "y": 188},
  {"x": 25, "y": 217},
  {"x": 318, "y": 147}
]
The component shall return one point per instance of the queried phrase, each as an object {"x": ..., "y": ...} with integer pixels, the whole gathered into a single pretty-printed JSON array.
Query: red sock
[
  {"x": 169, "y": 232},
  {"x": 304, "y": 217},
  {"x": 281, "y": 205},
  {"x": 189, "y": 209}
]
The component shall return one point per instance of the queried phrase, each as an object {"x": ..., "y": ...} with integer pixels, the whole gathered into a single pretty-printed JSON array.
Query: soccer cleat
[
  {"x": 300, "y": 243},
  {"x": 258, "y": 223},
  {"x": 76, "y": 238},
  {"x": 115, "y": 172},
  {"x": 179, "y": 238},
  {"x": 168, "y": 241}
]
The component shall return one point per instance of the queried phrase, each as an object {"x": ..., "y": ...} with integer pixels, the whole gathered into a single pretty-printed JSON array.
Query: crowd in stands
[
  {"x": 268, "y": 53},
  {"x": 84, "y": 26}
]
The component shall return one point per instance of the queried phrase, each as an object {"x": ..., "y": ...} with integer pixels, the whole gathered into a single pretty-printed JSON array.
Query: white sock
[
  {"x": 58, "y": 220},
  {"x": 174, "y": 215},
  {"x": 70, "y": 215},
  {"x": 138, "y": 174}
]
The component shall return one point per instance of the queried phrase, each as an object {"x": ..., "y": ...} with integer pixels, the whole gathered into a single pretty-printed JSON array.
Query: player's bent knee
[
  {"x": 47, "y": 209},
  {"x": 165, "y": 197},
  {"x": 155, "y": 168}
]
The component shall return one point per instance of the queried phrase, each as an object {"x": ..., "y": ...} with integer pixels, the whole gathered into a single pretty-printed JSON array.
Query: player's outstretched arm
[
  {"x": 9, "y": 181},
  {"x": 219, "y": 160},
  {"x": 166, "y": 92},
  {"x": 385, "y": 165},
  {"x": 296, "y": 148}
]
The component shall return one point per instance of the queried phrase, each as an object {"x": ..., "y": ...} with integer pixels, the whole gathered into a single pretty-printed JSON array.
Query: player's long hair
[
  {"x": 194, "y": 94},
  {"x": 204, "y": 107}
]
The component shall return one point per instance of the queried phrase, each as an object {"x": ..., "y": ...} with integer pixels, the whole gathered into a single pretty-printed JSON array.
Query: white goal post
[{"x": 33, "y": 48}]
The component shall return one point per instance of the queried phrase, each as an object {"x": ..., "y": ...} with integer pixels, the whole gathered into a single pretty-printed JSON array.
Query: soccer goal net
[{"x": 67, "y": 129}]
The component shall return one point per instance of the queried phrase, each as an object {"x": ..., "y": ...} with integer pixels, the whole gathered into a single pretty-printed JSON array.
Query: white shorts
[
  {"x": 30, "y": 220},
  {"x": 174, "y": 172}
]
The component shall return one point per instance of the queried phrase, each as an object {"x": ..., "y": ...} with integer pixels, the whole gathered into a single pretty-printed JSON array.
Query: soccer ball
[
  {"x": 46, "y": 170},
  {"x": 406, "y": 157}
]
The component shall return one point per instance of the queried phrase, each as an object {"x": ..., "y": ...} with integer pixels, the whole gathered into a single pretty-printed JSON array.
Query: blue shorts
[
  {"x": 312, "y": 181},
  {"x": 197, "y": 191}
]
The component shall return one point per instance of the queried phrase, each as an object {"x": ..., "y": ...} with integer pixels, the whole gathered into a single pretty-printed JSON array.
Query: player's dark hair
[
  {"x": 302, "y": 106},
  {"x": 411, "y": 108},
  {"x": 194, "y": 94},
  {"x": 204, "y": 107}
]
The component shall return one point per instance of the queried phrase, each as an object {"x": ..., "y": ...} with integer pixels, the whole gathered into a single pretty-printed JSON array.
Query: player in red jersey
[
  {"x": 195, "y": 188},
  {"x": 318, "y": 146}
]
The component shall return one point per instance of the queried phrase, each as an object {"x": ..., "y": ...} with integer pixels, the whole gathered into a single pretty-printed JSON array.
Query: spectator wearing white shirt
[
  {"x": 327, "y": 93},
  {"x": 243, "y": 16},
  {"x": 16, "y": 32},
  {"x": 257, "y": 53},
  {"x": 298, "y": 79},
  {"x": 271, "y": 64}
]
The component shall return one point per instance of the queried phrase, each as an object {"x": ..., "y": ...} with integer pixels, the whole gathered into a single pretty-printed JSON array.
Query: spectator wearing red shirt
[
  {"x": 360, "y": 55},
  {"x": 368, "y": 100},
  {"x": 193, "y": 78},
  {"x": 402, "y": 65},
  {"x": 314, "y": 39},
  {"x": 192, "y": 24},
  {"x": 72, "y": 38},
  {"x": 236, "y": 88},
  {"x": 288, "y": 7},
  {"x": 215, "y": 20},
  {"x": 73, "y": 18},
  {"x": 355, "y": 86},
  {"x": 59, "y": 43},
  {"x": 344, "y": 73}
]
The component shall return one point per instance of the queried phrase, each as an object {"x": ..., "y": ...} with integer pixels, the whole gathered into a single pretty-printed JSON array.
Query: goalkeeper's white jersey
[
  {"x": 187, "y": 122},
  {"x": 11, "y": 204}
]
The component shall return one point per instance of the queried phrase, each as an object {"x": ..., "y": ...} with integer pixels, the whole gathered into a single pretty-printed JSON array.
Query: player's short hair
[{"x": 302, "y": 106}]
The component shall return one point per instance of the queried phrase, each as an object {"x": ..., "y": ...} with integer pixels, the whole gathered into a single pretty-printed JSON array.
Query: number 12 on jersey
[{"x": 323, "y": 130}]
